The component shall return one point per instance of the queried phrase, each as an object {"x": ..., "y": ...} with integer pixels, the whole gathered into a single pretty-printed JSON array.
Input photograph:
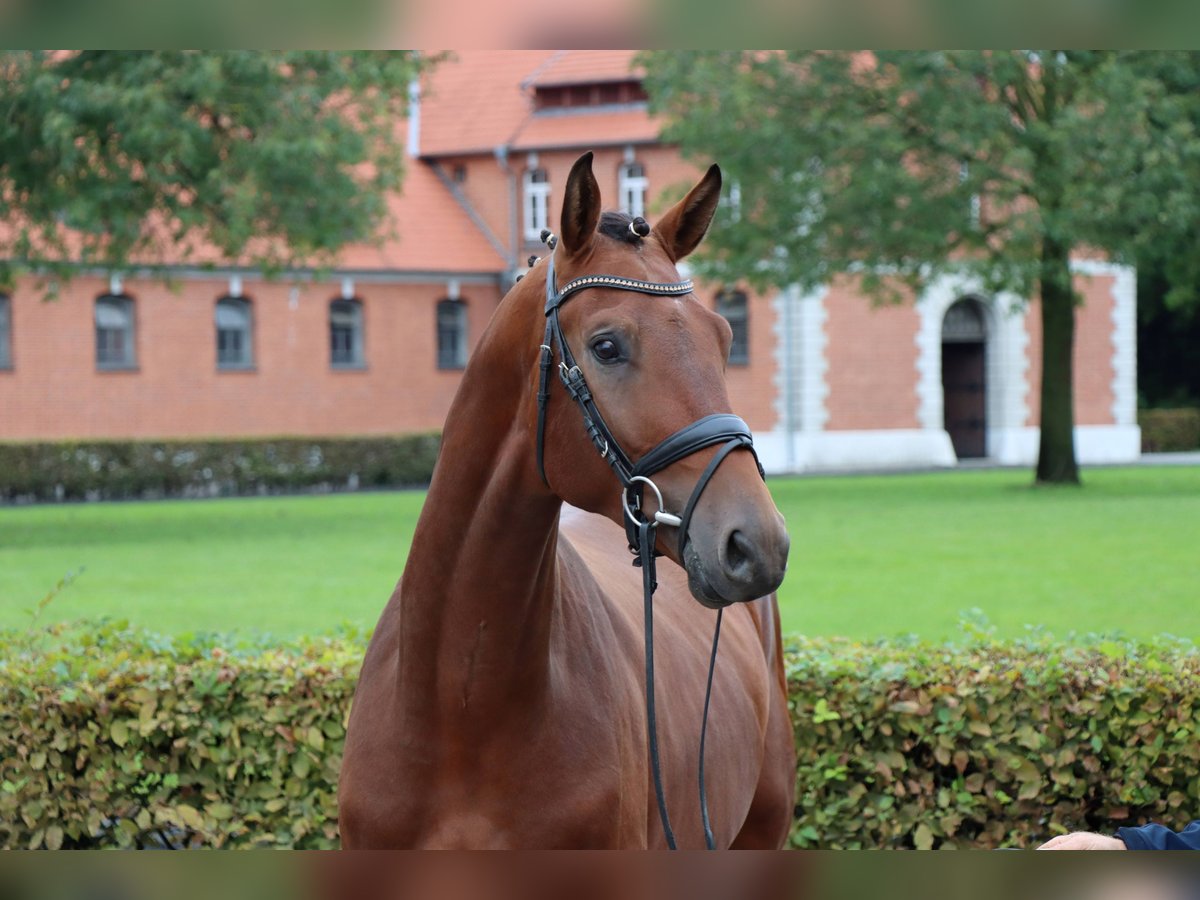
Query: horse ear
[
  {"x": 581, "y": 207},
  {"x": 684, "y": 225}
]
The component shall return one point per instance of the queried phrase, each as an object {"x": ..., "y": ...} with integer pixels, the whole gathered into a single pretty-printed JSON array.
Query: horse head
[{"x": 650, "y": 358}]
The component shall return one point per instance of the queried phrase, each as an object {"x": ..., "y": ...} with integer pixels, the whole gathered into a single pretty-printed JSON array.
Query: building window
[
  {"x": 537, "y": 203},
  {"x": 235, "y": 333},
  {"x": 114, "y": 332},
  {"x": 451, "y": 334},
  {"x": 5, "y": 332},
  {"x": 731, "y": 202},
  {"x": 631, "y": 188},
  {"x": 732, "y": 305},
  {"x": 346, "y": 334},
  {"x": 557, "y": 97},
  {"x": 976, "y": 206}
]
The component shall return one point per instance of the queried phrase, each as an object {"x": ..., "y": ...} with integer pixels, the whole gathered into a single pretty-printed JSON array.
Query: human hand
[{"x": 1083, "y": 840}]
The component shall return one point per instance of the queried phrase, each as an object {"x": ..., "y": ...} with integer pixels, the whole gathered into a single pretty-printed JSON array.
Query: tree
[
  {"x": 1169, "y": 271},
  {"x": 901, "y": 166},
  {"x": 270, "y": 159}
]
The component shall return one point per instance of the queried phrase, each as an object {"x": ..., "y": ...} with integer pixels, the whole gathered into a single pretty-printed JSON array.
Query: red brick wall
[
  {"x": 55, "y": 391},
  {"x": 872, "y": 362},
  {"x": 1093, "y": 357}
]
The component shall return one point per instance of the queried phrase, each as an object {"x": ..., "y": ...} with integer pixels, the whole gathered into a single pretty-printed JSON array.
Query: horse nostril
[{"x": 739, "y": 556}]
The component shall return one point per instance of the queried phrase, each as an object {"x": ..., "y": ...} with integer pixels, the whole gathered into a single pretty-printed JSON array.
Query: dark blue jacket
[{"x": 1156, "y": 837}]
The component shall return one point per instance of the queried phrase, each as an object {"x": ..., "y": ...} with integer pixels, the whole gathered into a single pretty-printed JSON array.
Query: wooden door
[{"x": 965, "y": 408}]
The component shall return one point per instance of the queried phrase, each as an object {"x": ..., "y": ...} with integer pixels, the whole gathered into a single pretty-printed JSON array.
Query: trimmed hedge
[
  {"x": 992, "y": 744},
  {"x": 110, "y": 737},
  {"x": 1169, "y": 430},
  {"x": 125, "y": 470}
]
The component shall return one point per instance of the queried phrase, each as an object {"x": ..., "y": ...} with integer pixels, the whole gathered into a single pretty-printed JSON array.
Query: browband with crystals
[
  {"x": 673, "y": 289},
  {"x": 555, "y": 297}
]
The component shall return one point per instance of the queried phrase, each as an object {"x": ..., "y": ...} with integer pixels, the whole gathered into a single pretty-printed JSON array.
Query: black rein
[{"x": 721, "y": 428}]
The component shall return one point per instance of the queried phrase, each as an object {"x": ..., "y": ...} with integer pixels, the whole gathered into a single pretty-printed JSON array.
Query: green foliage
[
  {"x": 111, "y": 470},
  {"x": 114, "y": 737},
  {"x": 848, "y": 165},
  {"x": 990, "y": 744},
  {"x": 897, "y": 167},
  {"x": 273, "y": 158},
  {"x": 1169, "y": 430}
]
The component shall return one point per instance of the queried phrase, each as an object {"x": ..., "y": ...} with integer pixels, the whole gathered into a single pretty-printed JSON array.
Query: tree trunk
[{"x": 1056, "y": 451}]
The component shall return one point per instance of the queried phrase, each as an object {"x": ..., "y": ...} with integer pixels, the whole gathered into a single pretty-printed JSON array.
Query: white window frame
[
  {"x": 347, "y": 312},
  {"x": 536, "y": 203},
  {"x": 734, "y": 306},
  {"x": 451, "y": 323},
  {"x": 731, "y": 201},
  {"x": 121, "y": 305},
  {"x": 244, "y": 307},
  {"x": 6, "y": 330},
  {"x": 632, "y": 185}
]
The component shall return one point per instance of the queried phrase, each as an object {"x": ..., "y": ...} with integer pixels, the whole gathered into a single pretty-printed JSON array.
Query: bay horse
[{"x": 500, "y": 701}]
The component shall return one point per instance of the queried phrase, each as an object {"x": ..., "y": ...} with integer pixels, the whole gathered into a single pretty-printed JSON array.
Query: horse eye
[{"x": 606, "y": 350}]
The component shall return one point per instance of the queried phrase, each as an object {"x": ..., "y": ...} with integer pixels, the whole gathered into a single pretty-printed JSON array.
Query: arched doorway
[{"x": 964, "y": 357}]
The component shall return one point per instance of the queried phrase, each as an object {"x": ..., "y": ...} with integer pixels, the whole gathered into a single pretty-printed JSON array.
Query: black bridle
[{"x": 721, "y": 428}]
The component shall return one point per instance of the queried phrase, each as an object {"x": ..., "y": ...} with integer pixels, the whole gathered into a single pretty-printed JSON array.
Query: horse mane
[{"x": 616, "y": 225}]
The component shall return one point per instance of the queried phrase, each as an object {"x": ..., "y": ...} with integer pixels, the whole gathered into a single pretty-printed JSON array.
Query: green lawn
[{"x": 871, "y": 556}]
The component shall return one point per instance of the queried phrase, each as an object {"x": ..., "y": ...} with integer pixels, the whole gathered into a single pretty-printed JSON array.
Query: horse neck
[{"x": 478, "y": 591}]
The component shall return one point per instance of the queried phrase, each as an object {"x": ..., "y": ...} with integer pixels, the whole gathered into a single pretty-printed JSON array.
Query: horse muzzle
[{"x": 737, "y": 564}]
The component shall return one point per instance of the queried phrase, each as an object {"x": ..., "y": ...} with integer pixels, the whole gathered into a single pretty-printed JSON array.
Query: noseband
[{"x": 720, "y": 428}]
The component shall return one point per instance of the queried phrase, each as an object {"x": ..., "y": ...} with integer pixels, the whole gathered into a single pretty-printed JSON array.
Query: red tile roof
[
  {"x": 482, "y": 99},
  {"x": 586, "y": 67},
  {"x": 428, "y": 231},
  {"x": 474, "y": 102},
  {"x": 431, "y": 232},
  {"x": 586, "y": 128}
]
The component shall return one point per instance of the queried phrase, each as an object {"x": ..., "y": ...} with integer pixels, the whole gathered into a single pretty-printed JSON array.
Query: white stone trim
[
  {"x": 814, "y": 363},
  {"x": 919, "y": 448},
  {"x": 800, "y": 366},
  {"x": 786, "y": 381},
  {"x": 931, "y": 308},
  {"x": 1006, "y": 362},
  {"x": 1010, "y": 373},
  {"x": 1124, "y": 339},
  {"x": 847, "y": 451},
  {"x": 412, "y": 144},
  {"x": 1097, "y": 267},
  {"x": 1094, "y": 445}
]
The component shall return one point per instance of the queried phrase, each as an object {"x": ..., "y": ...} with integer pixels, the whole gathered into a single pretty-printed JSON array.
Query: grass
[{"x": 871, "y": 556}]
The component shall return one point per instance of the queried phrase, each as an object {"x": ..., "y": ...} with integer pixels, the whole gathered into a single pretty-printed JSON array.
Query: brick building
[{"x": 377, "y": 346}]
